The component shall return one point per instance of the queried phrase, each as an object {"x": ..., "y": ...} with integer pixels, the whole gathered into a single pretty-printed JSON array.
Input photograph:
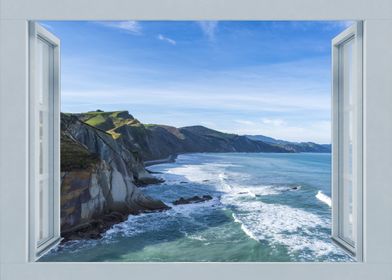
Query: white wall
[{"x": 14, "y": 132}]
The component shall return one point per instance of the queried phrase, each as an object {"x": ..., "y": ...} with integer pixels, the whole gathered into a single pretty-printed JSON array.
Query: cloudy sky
[{"x": 270, "y": 78}]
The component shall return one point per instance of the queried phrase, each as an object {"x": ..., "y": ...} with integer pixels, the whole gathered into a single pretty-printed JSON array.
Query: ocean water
[{"x": 266, "y": 207}]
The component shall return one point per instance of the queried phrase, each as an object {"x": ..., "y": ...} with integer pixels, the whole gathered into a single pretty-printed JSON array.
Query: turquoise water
[{"x": 265, "y": 207}]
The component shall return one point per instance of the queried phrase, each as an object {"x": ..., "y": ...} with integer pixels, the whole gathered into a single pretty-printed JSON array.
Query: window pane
[
  {"x": 346, "y": 184},
  {"x": 45, "y": 138}
]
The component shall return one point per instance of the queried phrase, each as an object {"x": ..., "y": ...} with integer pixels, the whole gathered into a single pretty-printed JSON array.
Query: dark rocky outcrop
[{"x": 191, "y": 200}]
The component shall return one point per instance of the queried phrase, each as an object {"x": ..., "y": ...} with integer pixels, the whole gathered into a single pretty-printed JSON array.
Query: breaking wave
[{"x": 324, "y": 198}]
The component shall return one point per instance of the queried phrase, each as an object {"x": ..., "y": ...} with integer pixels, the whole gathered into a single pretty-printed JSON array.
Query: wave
[
  {"x": 247, "y": 231},
  {"x": 223, "y": 182},
  {"x": 263, "y": 190},
  {"x": 149, "y": 222},
  {"x": 216, "y": 176},
  {"x": 324, "y": 198},
  {"x": 298, "y": 230},
  {"x": 305, "y": 234}
]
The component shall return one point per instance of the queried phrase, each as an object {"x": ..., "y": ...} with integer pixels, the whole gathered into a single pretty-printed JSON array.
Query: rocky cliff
[{"x": 99, "y": 180}]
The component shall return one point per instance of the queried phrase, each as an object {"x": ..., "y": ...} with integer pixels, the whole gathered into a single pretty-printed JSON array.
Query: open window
[
  {"x": 15, "y": 172},
  {"x": 44, "y": 141},
  {"x": 347, "y": 140}
]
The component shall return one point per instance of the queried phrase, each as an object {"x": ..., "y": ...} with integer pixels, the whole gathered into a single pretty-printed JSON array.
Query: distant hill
[
  {"x": 155, "y": 141},
  {"x": 297, "y": 147},
  {"x": 159, "y": 141}
]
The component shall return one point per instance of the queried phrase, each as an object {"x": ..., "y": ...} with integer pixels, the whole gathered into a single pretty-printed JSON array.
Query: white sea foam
[
  {"x": 213, "y": 174},
  {"x": 197, "y": 237},
  {"x": 148, "y": 222},
  {"x": 305, "y": 234},
  {"x": 324, "y": 198},
  {"x": 297, "y": 229},
  {"x": 261, "y": 190},
  {"x": 193, "y": 173},
  {"x": 253, "y": 191},
  {"x": 223, "y": 182},
  {"x": 247, "y": 231},
  {"x": 301, "y": 231}
]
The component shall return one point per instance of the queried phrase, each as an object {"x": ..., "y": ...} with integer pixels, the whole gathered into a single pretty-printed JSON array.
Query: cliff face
[{"x": 99, "y": 177}]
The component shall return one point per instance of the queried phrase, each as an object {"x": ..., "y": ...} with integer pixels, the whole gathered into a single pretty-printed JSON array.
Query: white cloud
[
  {"x": 297, "y": 130},
  {"x": 166, "y": 39},
  {"x": 286, "y": 101},
  {"x": 194, "y": 99},
  {"x": 318, "y": 131},
  {"x": 179, "y": 108},
  {"x": 244, "y": 122},
  {"x": 274, "y": 122},
  {"x": 209, "y": 28},
  {"x": 130, "y": 26}
]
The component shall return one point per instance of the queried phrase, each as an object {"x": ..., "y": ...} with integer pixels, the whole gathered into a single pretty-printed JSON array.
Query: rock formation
[{"x": 99, "y": 177}]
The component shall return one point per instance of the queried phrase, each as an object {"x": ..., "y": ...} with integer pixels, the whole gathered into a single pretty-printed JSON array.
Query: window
[
  {"x": 14, "y": 119},
  {"x": 44, "y": 141},
  {"x": 347, "y": 139},
  {"x": 347, "y": 218}
]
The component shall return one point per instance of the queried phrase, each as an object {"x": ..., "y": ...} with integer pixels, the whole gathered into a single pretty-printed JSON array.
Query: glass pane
[
  {"x": 346, "y": 184},
  {"x": 45, "y": 138}
]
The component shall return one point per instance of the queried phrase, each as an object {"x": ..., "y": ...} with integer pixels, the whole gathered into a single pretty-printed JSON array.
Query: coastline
[
  {"x": 98, "y": 226},
  {"x": 95, "y": 228},
  {"x": 208, "y": 223},
  {"x": 171, "y": 158}
]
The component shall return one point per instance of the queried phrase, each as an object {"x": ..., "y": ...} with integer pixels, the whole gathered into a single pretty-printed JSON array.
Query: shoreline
[
  {"x": 98, "y": 226},
  {"x": 95, "y": 228},
  {"x": 171, "y": 158}
]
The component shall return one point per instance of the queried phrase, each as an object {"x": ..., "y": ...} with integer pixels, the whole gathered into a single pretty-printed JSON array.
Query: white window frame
[
  {"x": 354, "y": 33},
  {"x": 38, "y": 247},
  {"x": 377, "y": 134}
]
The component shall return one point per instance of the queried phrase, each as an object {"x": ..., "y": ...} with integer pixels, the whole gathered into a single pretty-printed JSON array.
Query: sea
[{"x": 266, "y": 207}]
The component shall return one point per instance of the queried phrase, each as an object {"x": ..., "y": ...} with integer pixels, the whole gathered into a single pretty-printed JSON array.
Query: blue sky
[{"x": 244, "y": 77}]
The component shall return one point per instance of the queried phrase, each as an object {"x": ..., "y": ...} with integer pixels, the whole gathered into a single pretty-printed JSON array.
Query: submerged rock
[
  {"x": 194, "y": 199},
  {"x": 148, "y": 180}
]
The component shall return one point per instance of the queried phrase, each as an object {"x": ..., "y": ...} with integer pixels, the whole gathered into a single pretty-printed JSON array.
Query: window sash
[
  {"x": 347, "y": 138},
  {"x": 44, "y": 142}
]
